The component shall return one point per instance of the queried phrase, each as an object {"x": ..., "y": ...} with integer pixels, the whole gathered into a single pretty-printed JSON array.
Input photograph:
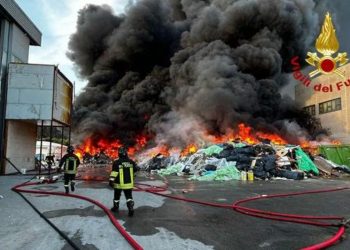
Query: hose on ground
[
  {"x": 157, "y": 190},
  {"x": 301, "y": 219},
  {"x": 114, "y": 221},
  {"x": 63, "y": 235}
]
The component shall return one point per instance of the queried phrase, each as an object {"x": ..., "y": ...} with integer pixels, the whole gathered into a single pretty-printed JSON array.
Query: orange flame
[
  {"x": 247, "y": 135},
  {"x": 243, "y": 132},
  {"x": 190, "y": 149},
  {"x": 110, "y": 148}
]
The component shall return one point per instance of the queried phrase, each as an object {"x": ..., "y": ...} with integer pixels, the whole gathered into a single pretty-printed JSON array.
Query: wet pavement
[{"x": 164, "y": 223}]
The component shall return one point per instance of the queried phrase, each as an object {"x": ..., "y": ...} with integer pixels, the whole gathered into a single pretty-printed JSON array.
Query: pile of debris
[
  {"x": 328, "y": 168},
  {"x": 97, "y": 159},
  {"x": 233, "y": 160}
]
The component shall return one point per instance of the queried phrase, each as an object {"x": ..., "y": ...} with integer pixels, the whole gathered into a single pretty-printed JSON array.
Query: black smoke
[{"x": 173, "y": 69}]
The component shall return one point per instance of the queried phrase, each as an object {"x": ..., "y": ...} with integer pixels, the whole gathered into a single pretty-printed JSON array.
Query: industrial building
[
  {"x": 328, "y": 97},
  {"x": 31, "y": 95}
]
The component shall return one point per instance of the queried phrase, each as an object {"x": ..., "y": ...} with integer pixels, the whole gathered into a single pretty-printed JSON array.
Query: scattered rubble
[
  {"x": 329, "y": 168},
  {"x": 96, "y": 159}
]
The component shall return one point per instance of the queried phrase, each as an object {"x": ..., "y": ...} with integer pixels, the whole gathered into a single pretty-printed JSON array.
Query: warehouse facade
[
  {"x": 17, "y": 33},
  {"x": 32, "y": 95},
  {"x": 328, "y": 98}
]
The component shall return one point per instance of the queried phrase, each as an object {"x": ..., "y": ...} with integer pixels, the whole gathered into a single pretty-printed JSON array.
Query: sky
[{"x": 57, "y": 21}]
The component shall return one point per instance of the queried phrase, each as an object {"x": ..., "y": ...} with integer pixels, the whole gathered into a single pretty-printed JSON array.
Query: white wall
[
  {"x": 20, "y": 146},
  {"x": 30, "y": 92}
]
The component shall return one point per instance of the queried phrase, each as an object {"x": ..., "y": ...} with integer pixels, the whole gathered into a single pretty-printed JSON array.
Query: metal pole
[
  {"x": 6, "y": 38},
  {"x": 49, "y": 159},
  {"x": 70, "y": 132},
  {"x": 41, "y": 144},
  {"x": 62, "y": 134}
]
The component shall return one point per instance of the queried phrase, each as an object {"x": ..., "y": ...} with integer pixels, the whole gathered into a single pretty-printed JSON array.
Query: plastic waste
[
  {"x": 230, "y": 172},
  {"x": 219, "y": 163},
  {"x": 250, "y": 175},
  {"x": 243, "y": 175},
  {"x": 304, "y": 162},
  {"x": 214, "y": 149},
  {"x": 172, "y": 169},
  {"x": 294, "y": 175}
]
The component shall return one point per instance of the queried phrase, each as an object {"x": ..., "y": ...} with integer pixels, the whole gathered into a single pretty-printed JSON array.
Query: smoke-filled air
[{"x": 176, "y": 72}]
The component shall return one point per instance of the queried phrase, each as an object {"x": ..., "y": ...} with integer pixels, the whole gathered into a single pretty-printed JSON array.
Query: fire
[
  {"x": 110, "y": 148},
  {"x": 272, "y": 137},
  {"x": 190, "y": 149},
  {"x": 243, "y": 132},
  {"x": 158, "y": 150},
  {"x": 79, "y": 154},
  {"x": 247, "y": 135},
  {"x": 162, "y": 149},
  {"x": 315, "y": 144},
  {"x": 335, "y": 142}
]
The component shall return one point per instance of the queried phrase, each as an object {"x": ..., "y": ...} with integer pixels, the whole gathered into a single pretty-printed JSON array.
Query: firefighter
[
  {"x": 71, "y": 162},
  {"x": 122, "y": 179}
]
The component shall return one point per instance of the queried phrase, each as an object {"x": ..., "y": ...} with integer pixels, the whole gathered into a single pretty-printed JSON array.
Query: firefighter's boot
[
  {"x": 130, "y": 205},
  {"x": 72, "y": 186},
  {"x": 115, "y": 207},
  {"x": 66, "y": 187}
]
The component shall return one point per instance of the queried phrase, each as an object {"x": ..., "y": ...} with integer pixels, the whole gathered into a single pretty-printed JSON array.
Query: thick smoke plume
[{"x": 174, "y": 69}]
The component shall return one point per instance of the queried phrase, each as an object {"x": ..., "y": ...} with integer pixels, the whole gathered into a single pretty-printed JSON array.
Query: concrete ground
[{"x": 163, "y": 223}]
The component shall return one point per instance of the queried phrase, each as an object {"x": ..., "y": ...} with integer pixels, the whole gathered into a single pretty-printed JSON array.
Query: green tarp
[
  {"x": 214, "y": 149},
  {"x": 230, "y": 172},
  {"x": 304, "y": 162}
]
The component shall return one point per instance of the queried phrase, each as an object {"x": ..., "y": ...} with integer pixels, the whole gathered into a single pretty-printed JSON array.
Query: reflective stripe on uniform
[
  {"x": 125, "y": 171},
  {"x": 121, "y": 176},
  {"x": 71, "y": 171},
  {"x": 124, "y": 186},
  {"x": 113, "y": 174}
]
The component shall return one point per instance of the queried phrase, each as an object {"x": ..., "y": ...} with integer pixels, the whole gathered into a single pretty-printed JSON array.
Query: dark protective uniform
[
  {"x": 71, "y": 163},
  {"x": 122, "y": 179}
]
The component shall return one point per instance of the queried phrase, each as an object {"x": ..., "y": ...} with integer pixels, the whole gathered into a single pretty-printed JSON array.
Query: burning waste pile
[
  {"x": 245, "y": 154},
  {"x": 239, "y": 160},
  {"x": 174, "y": 74}
]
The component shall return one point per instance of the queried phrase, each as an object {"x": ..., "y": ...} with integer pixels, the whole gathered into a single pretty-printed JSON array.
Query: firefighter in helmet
[
  {"x": 71, "y": 162},
  {"x": 122, "y": 179}
]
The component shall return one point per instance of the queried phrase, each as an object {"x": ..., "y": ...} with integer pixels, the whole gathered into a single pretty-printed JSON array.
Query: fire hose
[
  {"x": 114, "y": 221},
  {"x": 294, "y": 218},
  {"x": 301, "y": 219}
]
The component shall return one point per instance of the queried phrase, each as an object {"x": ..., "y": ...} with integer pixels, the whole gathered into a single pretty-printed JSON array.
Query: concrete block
[
  {"x": 45, "y": 112},
  {"x": 23, "y": 111},
  {"x": 30, "y": 81},
  {"x": 31, "y": 69},
  {"x": 13, "y": 96},
  {"x": 35, "y": 96}
]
